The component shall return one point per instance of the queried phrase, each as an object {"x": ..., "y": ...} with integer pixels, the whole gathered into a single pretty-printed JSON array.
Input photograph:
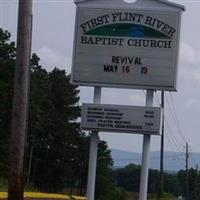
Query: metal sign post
[
  {"x": 145, "y": 155},
  {"x": 93, "y": 152}
]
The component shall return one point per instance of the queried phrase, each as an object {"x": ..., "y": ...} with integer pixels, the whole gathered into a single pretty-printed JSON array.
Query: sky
[{"x": 53, "y": 29}]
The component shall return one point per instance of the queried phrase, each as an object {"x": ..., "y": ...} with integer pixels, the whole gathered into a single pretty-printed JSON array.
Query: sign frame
[
  {"x": 103, "y": 83},
  {"x": 121, "y": 119}
]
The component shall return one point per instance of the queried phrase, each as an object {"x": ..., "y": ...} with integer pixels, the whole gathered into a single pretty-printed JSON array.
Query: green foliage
[
  {"x": 194, "y": 183},
  {"x": 7, "y": 48},
  {"x": 7, "y": 62},
  {"x": 128, "y": 177},
  {"x": 105, "y": 188},
  {"x": 53, "y": 134},
  {"x": 119, "y": 193},
  {"x": 174, "y": 184},
  {"x": 3, "y": 184},
  {"x": 171, "y": 183},
  {"x": 166, "y": 196}
]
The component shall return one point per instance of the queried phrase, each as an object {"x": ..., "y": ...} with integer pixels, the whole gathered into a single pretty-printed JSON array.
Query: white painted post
[
  {"x": 93, "y": 153},
  {"x": 145, "y": 155}
]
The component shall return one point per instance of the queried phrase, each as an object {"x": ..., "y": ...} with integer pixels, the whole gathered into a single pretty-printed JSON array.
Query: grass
[
  {"x": 135, "y": 196},
  {"x": 39, "y": 195},
  {"x": 3, "y": 184},
  {"x": 34, "y": 194}
]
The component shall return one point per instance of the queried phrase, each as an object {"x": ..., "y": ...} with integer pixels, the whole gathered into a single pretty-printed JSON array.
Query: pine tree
[{"x": 7, "y": 64}]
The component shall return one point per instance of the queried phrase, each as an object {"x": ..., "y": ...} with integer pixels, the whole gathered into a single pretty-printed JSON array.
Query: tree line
[{"x": 174, "y": 182}]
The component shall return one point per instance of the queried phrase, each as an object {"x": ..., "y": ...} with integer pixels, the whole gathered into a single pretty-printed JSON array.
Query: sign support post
[
  {"x": 145, "y": 155},
  {"x": 93, "y": 152}
]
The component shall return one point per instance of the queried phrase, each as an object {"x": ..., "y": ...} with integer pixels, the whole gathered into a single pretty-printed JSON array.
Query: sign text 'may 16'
[
  {"x": 126, "y": 48},
  {"x": 128, "y": 119}
]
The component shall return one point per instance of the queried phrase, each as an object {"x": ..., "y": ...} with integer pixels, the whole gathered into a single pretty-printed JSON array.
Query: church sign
[{"x": 126, "y": 48}]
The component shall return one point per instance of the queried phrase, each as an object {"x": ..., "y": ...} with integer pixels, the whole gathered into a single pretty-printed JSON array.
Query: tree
[
  {"x": 171, "y": 184},
  {"x": 7, "y": 63},
  {"x": 38, "y": 114},
  {"x": 153, "y": 181},
  {"x": 105, "y": 188},
  {"x": 82, "y": 162},
  {"x": 53, "y": 130},
  {"x": 52, "y": 119},
  {"x": 128, "y": 177}
]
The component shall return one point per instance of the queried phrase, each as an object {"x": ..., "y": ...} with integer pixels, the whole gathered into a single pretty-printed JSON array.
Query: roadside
[
  {"x": 44, "y": 196},
  {"x": 135, "y": 196}
]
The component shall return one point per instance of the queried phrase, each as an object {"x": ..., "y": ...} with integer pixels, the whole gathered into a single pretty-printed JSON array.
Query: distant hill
[{"x": 172, "y": 161}]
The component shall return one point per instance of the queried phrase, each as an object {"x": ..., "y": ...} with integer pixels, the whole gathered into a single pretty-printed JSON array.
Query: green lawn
[
  {"x": 3, "y": 184},
  {"x": 130, "y": 195},
  {"x": 134, "y": 196}
]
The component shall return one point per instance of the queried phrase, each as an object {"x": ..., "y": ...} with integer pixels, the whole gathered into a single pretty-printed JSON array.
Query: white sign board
[
  {"x": 126, "y": 48},
  {"x": 128, "y": 119}
]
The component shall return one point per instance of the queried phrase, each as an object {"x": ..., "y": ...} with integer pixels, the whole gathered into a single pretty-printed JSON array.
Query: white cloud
[
  {"x": 189, "y": 55},
  {"x": 196, "y": 75},
  {"x": 189, "y": 62},
  {"x": 192, "y": 103},
  {"x": 190, "y": 73},
  {"x": 49, "y": 59}
]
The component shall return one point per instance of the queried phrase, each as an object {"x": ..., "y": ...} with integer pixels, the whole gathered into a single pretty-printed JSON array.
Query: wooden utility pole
[
  {"x": 186, "y": 169},
  {"x": 20, "y": 102},
  {"x": 161, "y": 186}
]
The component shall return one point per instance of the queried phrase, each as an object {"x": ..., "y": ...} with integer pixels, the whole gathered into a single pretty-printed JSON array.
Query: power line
[
  {"x": 171, "y": 144},
  {"x": 179, "y": 127},
  {"x": 174, "y": 116},
  {"x": 176, "y": 119},
  {"x": 174, "y": 152},
  {"x": 192, "y": 159},
  {"x": 174, "y": 139}
]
